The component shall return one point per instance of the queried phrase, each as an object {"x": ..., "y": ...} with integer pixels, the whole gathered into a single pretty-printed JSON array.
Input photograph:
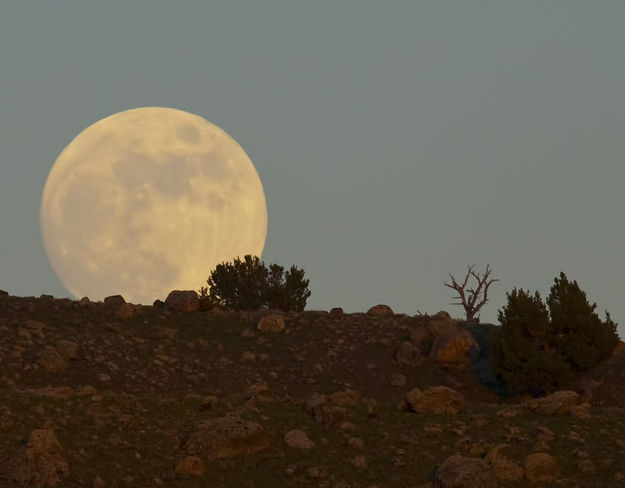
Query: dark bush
[
  {"x": 578, "y": 332},
  {"x": 249, "y": 285},
  {"x": 523, "y": 351}
]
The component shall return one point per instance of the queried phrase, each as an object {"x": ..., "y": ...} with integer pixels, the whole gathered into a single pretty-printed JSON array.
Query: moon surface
[{"x": 150, "y": 200}]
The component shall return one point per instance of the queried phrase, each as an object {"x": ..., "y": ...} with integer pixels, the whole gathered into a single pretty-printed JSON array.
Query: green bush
[
  {"x": 536, "y": 351},
  {"x": 249, "y": 285},
  {"x": 579, "y": 334},
  {"x": 523, "y": 352}
]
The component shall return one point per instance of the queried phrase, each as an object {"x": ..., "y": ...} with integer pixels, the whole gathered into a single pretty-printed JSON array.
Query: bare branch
[{"x": 470, "y": 299}]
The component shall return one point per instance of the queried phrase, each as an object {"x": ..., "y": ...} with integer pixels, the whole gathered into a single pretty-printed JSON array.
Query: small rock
[
  {"x": 316, "y": 472},
  {"x": 454, "y": 347},
  {"x": 67, "y": 349},
  {"x": 272, "y": 323},
  {"x": 191, "y": 466},
  {"x": 41, "y": 462},
  {"x": 115, "y": 300},
  {"x": 408, "y": 353},
  {"x": 98, "y": 482},
  {"x": 398, "y": 380},
  {"x": 504, "y": 467},
  {"x": 461, "y": 472},
  {"x": 437, "y": 399},
  {"x": 360, "y": 463},
  {"x": 380, "y": 309},
  {"x": 336, "y": 312},
  {"x": 225, "y": 437},
  {"x": 183, "y": 301},
  {"x": 540, "y": 466},
  {"x": 51, "y": 361},
  {"x": 125, "y": 311},
  {"x": 298, "y": 439}
]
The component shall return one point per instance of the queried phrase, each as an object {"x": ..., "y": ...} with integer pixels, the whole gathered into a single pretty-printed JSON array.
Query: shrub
[
  {"x": 286, "y": 291},
  {"x": 523, "y": 353},
  {"x": 579, "y": 334},
  {"x": 249, "y": 285}
]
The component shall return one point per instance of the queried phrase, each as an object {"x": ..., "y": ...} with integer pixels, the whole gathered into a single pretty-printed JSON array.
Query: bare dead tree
[{"x": 472, "y": 299}]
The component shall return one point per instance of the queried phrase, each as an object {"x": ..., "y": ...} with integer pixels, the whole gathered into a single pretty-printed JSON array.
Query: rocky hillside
[{"x": 113, "y": 394}]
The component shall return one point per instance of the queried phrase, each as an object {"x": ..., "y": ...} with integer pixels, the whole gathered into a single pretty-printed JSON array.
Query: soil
[{"x": 137, "y": 381}]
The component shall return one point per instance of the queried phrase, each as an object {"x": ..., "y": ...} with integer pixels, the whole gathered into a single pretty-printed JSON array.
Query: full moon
[{"x": 149, "y": 200}]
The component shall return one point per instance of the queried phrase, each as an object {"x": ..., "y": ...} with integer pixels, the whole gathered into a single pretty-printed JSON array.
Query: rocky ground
[{"x": 112, "y": 394}]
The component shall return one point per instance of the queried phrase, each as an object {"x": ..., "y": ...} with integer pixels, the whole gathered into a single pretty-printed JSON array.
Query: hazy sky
[{"x": 396, "y": 142}]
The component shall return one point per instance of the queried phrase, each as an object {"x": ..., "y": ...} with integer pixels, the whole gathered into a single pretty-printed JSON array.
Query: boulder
[
  {"x": 505, "y": 468},
  {"x": 183, "y": 301},
  {"x": 3, "y": 293},
  {"x": 272, "y": 323},
  {"x": 442, "y": 327},
  {"x": 437, "y": 399},
  {"x": 461, "y": 472},
  {"x": 454, "y": 347},
  {"x": 40, "y": 463},
  {"x": 540, "y": 467},
  {"x": 225, "y": 437},
  {"x": 298, "y": 439},
  {"x": 558, "y": 403},
  {"x": 419, "y": 334},
  {"x": 114, "y": 300},
  {"x": 441, "y": 315},
  {"x": 380, "y": 309},
  {"x": 408, "y": 353}
]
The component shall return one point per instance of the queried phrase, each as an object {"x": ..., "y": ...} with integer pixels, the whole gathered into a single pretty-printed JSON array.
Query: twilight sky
[{"x": 396, "y": 142}]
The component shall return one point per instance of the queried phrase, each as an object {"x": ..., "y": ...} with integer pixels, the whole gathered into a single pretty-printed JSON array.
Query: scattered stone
[
  {"x": 540, "y": 467},
  {"x": 191, "y": 466},
  {"x": 115, "y": 300},
  {"x": 165, "y": 333},
  {"x": 98, "y": 482},
  {"x": 336, "y": 312},
  {"x": 437, "y": 399},
  {"x": 380, "y": 309},
  {"x": 420, "y": 334},
  {"x": 41, "y": 462},
  {"x": 558, "y": 403},
  {"x": 398, "y": 380},
  {"x": 316, "y": 472},
  {"x": 183, "y": 301},
  {"x": 298, "y": 439},
  {"x": 125, "y": 311},
  {"x": 272, "y": 323},
  {"x": 454, "y": 347},
  {"x": 260, "y": 393},
  {"x": 581, "y": 411},
  {"x": 360, "y": 462},
  {"x": 67, "y": 349},
  {"x": 408, "y": 353},
  {"x": 501, "y": 461},
  {"x": 51, "y": 361},
  {"x": 225, "y": 437},
  {"x": 462, "y": 472}
]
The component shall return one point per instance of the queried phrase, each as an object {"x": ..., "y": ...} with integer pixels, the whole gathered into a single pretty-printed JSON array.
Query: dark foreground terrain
[{"x": 113, "y": 395}]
